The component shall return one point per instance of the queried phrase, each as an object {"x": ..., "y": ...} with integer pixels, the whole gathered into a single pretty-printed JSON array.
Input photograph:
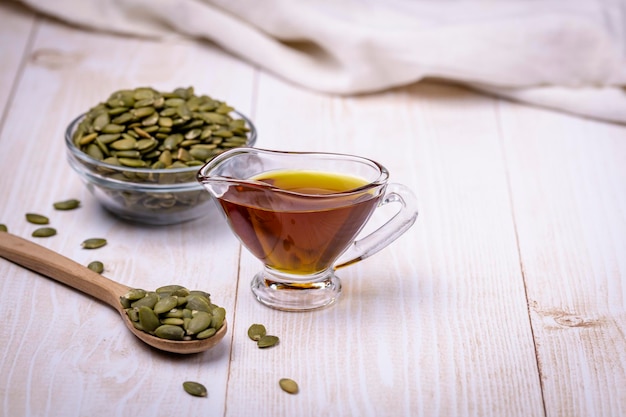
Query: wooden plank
[
  {"x": 568, "y": 180},
  {"x": 62, "y": 352},
  {"x": 16, "y": 25},
  {"x": 436, "y": 324}
]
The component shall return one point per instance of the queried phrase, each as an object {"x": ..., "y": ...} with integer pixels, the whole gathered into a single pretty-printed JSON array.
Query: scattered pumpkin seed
[
  {"x": 3, "y": 228},
  {"x": 195, "y": 388},
  {"x": 289, "y": 385},
  {"x": 44, "y": 232},
  {"x": 96, "y": 266},
  {"x": 67, "y": 204},
  {"x": 267, "y": 341},
  {"x": 256, "y": 332},
  {"x": 93, "y": 243},
  {"x": 35, "y": 218}
]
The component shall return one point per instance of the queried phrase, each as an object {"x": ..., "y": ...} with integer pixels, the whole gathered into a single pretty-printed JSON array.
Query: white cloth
[{"x": 568, "y": 55}]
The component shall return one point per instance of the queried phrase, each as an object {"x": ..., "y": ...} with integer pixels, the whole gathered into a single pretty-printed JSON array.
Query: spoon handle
[{"x": 56, "y": 266}]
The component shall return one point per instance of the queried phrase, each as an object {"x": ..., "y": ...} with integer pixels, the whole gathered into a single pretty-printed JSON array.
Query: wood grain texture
[
  {"x": 568, "y": 179},
  {"x": 15, "y": 34},
  {"x": 507, "y": 297}
]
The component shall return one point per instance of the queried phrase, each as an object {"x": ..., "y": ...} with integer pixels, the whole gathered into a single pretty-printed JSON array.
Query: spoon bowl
[{"x": 56, "y": 266}]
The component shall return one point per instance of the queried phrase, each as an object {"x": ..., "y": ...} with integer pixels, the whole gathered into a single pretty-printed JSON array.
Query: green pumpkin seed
[
  {"x": 199, "y": 303},
  {"x": 142, "y": 112},
  {"x": 87, "y": 139},
  {"x": 44, "y": 232},
  {"x": 288, "y": 385},
  {"x": 169, "y": 289},
  {"x": 96, "y": 266},
  {"x": 143, "y": 93},
  {"x": 148, "y": 319},
  {"x": 101, "y": 121},
  {"x": 199, "y": 322},
  {"x": 132, "y": 162},
  {"x": 149, "y": 300},
  {"x": 195, "y": 388},
  {"x": 218, "y": 315},
  {"x": 66, "y": 205},
  {"x": 113, "y": 128},
  {"x": 174, "y": 314},
  {"x": 94, "y": 151},
  {"x": 115, "y": 111},
  {"x": 37, "y": 218},
  {"x": 135, "y": 294},
  {"x": 256, "y": 332},
  {"x": 124, "y": 144},
  {"x": 123, "y": 118},
  {"x": 3, "y": 228},
  {"x": 165, "y": 304},
  {"x": 171, "y": 332},
  {"x": 93, "y": 243},
  {"x": 174, "y": 102},
  {"x": 205, "y": 334},
  {"x": 173, "y": 320},
  {"x": 144, "y": 102},
  {"x": 151, "y": 120},
  {"x": 267, "y": 341},
  {"x": 132, "y": 313}
]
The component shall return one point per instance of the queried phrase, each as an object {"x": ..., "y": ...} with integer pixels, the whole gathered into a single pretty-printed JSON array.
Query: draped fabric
[{"x": 568, "y": 55}]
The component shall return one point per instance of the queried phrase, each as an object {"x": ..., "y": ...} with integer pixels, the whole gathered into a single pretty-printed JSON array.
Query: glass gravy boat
[{"x": 300, "y": 213}]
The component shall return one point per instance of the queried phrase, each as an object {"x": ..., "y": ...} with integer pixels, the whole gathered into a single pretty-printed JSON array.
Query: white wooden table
[{"x": 507, "y": 297}]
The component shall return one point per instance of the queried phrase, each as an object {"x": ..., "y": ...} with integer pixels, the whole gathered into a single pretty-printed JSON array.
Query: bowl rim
[{"x": 252, "y": 137}]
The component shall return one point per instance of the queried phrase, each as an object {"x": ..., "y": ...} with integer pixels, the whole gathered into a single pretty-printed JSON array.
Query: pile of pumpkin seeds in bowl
[
  {"x": 173, "y": 312},
  {"x": 140, "y": 149}
]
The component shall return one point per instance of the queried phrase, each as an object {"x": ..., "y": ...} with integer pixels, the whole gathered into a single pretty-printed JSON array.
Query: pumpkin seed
[
  {"x": 288, "y": 385},
  {"x": 44, "y": 232},
  {"x": 218, "y": 315},
  {"x": 195, "y": 388},
  {"x": 199, "y": 322},
  {"x": 148, "y": 319},
  {"x": 165, "y": 304},
  {"x": 198, "y": 302},
  {"x": 169, "y": 331},
  {"x": 135, "y": 294},
  {"x": 93, "y": 243},
  {"x": 256, "y": 332},
  {"x": 267, "y": 341},
  {"x": 149, "y": 300},
  {"x": 169, "y": 289},
  {"x": 67, "y": 204},
  {"x": 205, "y": 334},
  {"x": 3, "y": 228},
  {"x": 96, "y": 266},
  {"x": 172, "y": 320},
  {"x": 35, "y": 218}
]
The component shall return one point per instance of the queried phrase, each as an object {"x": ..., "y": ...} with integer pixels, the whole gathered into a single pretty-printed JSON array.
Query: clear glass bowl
[{"x": 144, "y": 195}]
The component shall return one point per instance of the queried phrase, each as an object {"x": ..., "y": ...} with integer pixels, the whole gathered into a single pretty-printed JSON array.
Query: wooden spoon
[{"x": 56, "y": 266}]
